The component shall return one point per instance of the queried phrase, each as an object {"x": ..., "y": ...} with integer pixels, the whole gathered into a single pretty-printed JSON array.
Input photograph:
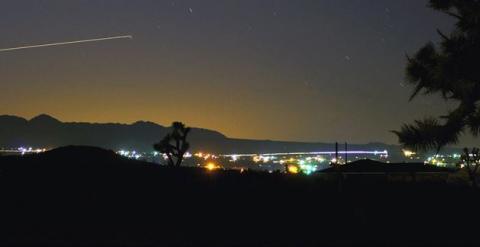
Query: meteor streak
[{"x": 66, "y": 43}]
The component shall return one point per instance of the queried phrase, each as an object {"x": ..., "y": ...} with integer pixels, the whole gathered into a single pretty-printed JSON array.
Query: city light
[
  {"x": 212, "y": 166},
  {"x": 130, "y": 154},
  {"x": 293, "y": 169},
  {"x": 201, "y": 155},
  {"x": 320, "y": 159},
  {"x": 308, "y": 168},
  {"x": 302, "y": 162},
  {"x": 24, "y": 150},
  {"x": 443, "y": 160},
  {"x": 374, "y": 152},
  {"x": 305, "y": 162},
  {"x": 408, "y": 153}
]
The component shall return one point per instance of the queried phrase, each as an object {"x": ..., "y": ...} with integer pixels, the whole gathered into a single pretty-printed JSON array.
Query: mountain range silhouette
[{"x": 44, "y": 131}]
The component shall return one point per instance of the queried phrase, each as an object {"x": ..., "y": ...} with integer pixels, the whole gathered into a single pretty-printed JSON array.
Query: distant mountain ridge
[{"x": 49, "y": 132}]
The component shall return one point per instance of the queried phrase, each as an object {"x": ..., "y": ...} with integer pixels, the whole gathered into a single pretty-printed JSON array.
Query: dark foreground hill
[
  {"x": 371, "y": 166},
  {"x": 81, "y": 196}
]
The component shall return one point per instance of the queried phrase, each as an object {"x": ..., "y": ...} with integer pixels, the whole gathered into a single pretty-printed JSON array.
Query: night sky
[{"x": 303, "y": 70}]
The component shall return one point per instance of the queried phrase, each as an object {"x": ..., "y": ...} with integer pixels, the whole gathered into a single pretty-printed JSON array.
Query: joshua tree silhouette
[
  {"x": 451, "y": 70},
  {"x": 471, "y": 161},
  {"x": 174, "y": 144}
]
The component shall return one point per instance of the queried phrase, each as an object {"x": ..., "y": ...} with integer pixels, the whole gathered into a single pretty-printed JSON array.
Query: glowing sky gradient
[{"x": 305, "y": 70}]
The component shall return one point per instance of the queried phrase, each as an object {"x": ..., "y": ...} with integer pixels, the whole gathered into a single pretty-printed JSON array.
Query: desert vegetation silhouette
[
  {"x": 450, "y": 69},
  {"x": 174, "y": 145},
  {"x": 471, "y": 161}
]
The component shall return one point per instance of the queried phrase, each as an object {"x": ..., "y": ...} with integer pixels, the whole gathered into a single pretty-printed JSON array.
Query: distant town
[{"x": 293, "y": 162}]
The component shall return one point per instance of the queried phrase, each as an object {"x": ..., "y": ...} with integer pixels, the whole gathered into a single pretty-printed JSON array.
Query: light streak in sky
[
  {"x": 385, "y": 152},
  {"x": 66, "y": 43}
]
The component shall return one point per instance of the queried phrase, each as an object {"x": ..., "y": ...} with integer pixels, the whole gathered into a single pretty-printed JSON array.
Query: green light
[{"x": 308, "y": 169}]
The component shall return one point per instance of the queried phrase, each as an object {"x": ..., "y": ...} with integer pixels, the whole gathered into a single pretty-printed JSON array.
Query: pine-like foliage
[{"x": 451, "y": 69}]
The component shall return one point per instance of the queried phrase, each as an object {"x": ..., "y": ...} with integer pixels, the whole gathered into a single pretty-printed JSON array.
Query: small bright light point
[
  {"x": 211, "y": 166},
  {"x": 293, "y": 169},
  {"x": 408, "y": 153}
]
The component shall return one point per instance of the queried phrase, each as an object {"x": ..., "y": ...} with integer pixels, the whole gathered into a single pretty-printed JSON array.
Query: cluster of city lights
[
  {"x": 361, "y": 152},
  {"x": 31, "y": 150},
  {"x": 444, "y": 160},
  {"x": 23, "y": 151},
  {"x": 299, "y": 162},
  {"x": 303, "y": 167},
  {"x": 296, "y": 163},
  {"x": 317, "y": 156},
  {"x": 262, "y": 159},
  {"x": 436, "y": 160},
  {"x": 205, "y": 156},
  {"x": 307, "y": 167},
  {"x": 408, "y": 153},
  {"x": 130, "y": 154},
  {"x": 283, "y": 160},
  {"x": 138, "y": 155}
]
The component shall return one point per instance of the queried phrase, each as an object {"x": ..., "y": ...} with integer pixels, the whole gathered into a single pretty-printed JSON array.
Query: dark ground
[{"x": 80, "y": 196}]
